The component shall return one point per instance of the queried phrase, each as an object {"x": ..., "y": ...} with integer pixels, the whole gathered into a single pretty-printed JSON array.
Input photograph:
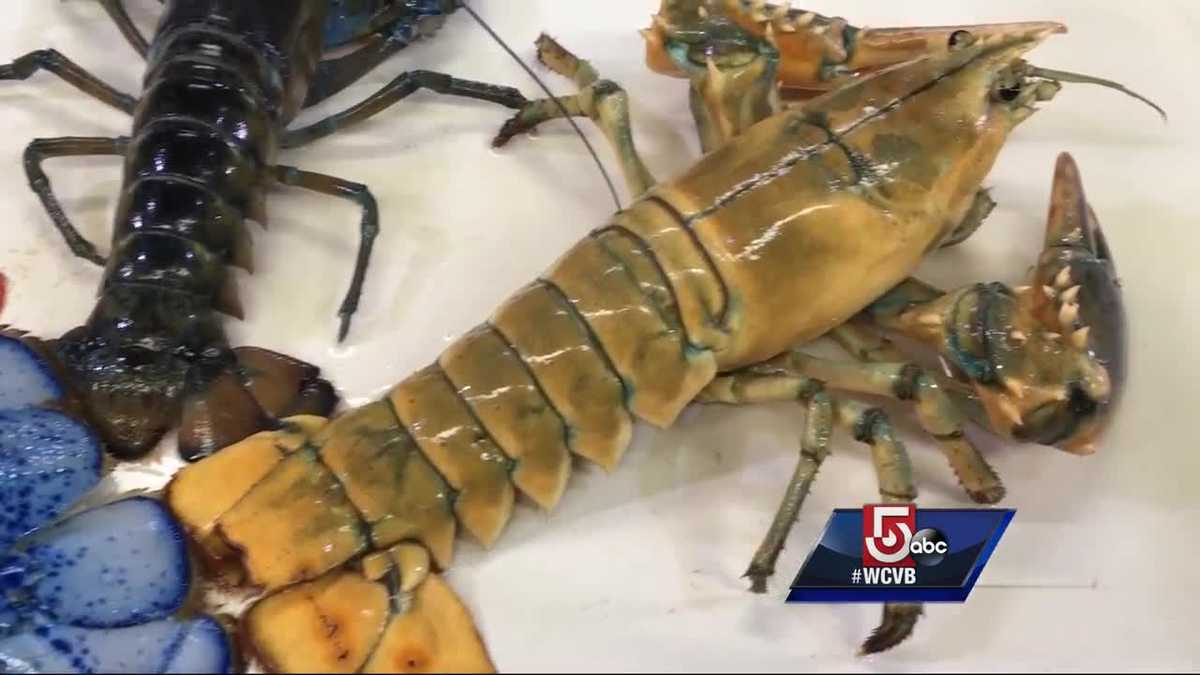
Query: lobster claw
[
  {"x": 1076, "y": 293},
  {"x": 881, "y": 47}
]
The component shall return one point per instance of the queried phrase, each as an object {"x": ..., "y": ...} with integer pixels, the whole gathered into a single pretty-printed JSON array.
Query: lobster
[
  {"x": 224, "y": 80},
  {"x": 703, "y": 290}
]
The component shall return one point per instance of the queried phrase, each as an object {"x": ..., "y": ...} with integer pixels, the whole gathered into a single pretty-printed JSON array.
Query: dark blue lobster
[{"x": 225, "y": 78}]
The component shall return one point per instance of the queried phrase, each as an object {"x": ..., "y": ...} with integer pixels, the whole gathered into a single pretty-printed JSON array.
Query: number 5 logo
[{"x": 887, "y": 532}]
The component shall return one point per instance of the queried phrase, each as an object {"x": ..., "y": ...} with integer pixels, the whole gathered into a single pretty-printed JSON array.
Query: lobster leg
[
  {"x": 888, "y": 373},
  {"x": 980, "y": 209},
  {"x": 774, "y": 381},
  {"x": 603, "y": 101},
  {"x": 763, "y": 385},
  {"x": 47, "y": 148},
  {"x": 334, "y": 75},
  {"x": 116, "y": 10},
  {"x": 70, "y": 72},
  {"x": 398, "y": 89},
  {"x": 359, "y": 193}
]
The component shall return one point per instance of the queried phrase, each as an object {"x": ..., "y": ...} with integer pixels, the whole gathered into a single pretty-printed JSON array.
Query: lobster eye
[{"x": 960, "y": 39}]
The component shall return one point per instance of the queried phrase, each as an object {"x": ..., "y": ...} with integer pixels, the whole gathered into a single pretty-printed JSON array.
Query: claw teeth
[
  {"x": 702, "y": 11},
  {"x": 769, "y": 34},
  {"x": 1063, "y": 278},
  {"x": 805, "y": 19},
  {"x": 1009, "y": 410},
  {"x": 1079, "y": 339},
  {"x": 1050, "y": 292},
  {"x": 1015, "y": 386},
  {"x": 1053, "y": 337},
  {"x": 1018, "y": 336},
  {"x": 1070, "y": 294},
  {"x": 758, "y": 11},
  {"x": 929, "y": 320},
  {"x": 1067, "y": 316},
  {"x": 715, "y": 76}
]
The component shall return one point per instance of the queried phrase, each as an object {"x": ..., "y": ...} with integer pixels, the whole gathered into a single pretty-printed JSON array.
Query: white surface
[{"x": 639, "y": 571}]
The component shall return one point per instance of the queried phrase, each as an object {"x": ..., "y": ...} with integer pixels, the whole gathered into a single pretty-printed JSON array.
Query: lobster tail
[
  {"x": 217, "y": 409},
  {"x": 196, "y": 168},
  {"x": 561, "y": 369}
]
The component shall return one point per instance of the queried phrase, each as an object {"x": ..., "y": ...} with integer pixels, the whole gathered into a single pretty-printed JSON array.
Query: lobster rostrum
[
  {"x": 224, "y": 80},
  {"x": 702, "y": 291}
]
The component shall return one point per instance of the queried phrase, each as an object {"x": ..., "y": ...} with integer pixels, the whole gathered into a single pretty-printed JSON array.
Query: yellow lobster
[{"x": 807, "y": 223}]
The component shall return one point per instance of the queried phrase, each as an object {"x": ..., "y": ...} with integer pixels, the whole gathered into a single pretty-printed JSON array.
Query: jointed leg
[
  {"x": 763, "y": 386},
  {"x": 980, "y": 209},
  {"x": 889, "y": 374},
  {"x": 334, "y": 75},
  {"x": 47, "y": 148},
  {"x": 398, "y": 89},
  {"x": 337, "y": 187},
  {"x": 775, "y": 382},
  {"x": 603, "y": 101},
  {"x": 116, "y": 10},
  {"x": 54, "y": 62},
  {"x": 727, "y": 101}
]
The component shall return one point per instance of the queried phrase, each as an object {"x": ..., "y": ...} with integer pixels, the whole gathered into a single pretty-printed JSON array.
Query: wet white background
[{"x": 640, "y": 570}]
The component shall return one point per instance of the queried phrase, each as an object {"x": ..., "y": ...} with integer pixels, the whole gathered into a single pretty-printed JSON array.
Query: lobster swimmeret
[
  {"x": 224, "y": 79},
  {"x": 691, "y": 294}
]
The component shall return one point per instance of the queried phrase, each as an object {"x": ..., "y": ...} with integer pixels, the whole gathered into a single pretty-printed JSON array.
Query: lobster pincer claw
[
  {"x": 873, "y": 48},
  {"x": 816, "y": 53},
  {"x": 1042, "y": 363},
  {"x": 1076, "y": 289}
]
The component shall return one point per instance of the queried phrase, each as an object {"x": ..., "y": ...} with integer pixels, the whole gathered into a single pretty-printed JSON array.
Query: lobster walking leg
[
  {"x": 755, "y": 387},
  {"x": 903, "y": 380},
  {"x": 398, "y": 89},
  {"x": 116, "y": 10},
  {"x": 603, "y": 101},
  {"x": 767, "y": 383},
  {"x": 334, "y": 75},
  {"x": 981, "y": 208},
  {"x": 47, "y": 148},
  {"x": 70, "y": 72},
  {"x": 359, "y": 193}
]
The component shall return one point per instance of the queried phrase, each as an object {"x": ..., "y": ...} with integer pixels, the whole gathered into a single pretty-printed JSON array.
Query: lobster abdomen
[{"x": 560, "y": 369}]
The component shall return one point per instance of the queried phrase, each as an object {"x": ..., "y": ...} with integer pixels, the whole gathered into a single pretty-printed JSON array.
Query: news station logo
[{"x": 899, "y": 553}]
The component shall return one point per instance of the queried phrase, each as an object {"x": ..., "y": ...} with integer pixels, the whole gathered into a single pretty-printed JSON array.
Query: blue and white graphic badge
[{"x": 899, "y": 553}]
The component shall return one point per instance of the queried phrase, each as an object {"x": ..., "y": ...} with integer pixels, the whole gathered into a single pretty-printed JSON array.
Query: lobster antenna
[
  {"x": 1065, "y": 76},
  {"x": 566, "y": 114}
]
